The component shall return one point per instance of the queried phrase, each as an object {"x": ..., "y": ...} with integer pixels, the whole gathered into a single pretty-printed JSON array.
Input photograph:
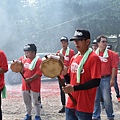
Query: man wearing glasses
[{"x": 108, "y": 72}]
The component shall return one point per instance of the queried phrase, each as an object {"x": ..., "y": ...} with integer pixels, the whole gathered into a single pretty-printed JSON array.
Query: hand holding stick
[
  {"x": 17, "y": 66},
  {"x": 63, "y": 84}
]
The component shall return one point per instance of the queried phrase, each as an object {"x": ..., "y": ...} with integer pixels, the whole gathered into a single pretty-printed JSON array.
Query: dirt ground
[{"x": 14, "y": 109}]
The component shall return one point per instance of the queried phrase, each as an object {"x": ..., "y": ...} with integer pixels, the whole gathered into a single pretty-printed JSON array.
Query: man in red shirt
[
  {"x": 115, "y": 84},
  {"x": 3, "y": 69},
  {"x": 108, "y": 73},
  {"x": 94, "y": 45},
  {"x": 31, "y": 85},
  {"x": 68, "y": 54},
  {"x": 84, "y": 74}
]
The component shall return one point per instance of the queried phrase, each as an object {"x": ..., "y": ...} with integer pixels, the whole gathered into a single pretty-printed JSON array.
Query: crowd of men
[{"x": 89, "y": 76}]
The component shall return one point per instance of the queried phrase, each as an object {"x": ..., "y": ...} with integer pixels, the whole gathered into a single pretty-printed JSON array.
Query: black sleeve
[
  {"x": 88, "y": 85},
  {"x": 67, "y": 79}
]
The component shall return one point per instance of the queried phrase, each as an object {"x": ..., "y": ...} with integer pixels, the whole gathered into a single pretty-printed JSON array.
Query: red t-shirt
[
  {"x": 67, "y": 58},
  {"x": 108, "y": 63},
  {"x": 35, "y": 85},
  {"x": 91, "y": 69},
  {"x": 3, "y": 65}
]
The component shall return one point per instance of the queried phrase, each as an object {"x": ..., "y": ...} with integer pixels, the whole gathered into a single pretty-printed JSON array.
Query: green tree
[{"x": 44, "y": 22}]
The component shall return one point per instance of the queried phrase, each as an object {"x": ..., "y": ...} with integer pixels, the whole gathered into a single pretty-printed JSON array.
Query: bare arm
[
  {"x": 113, "y": 77},
  {"x": 35, "y": 76}
]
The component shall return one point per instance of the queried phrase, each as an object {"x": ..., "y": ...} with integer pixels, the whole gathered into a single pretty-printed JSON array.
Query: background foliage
[{"x": 44, "y": 22}]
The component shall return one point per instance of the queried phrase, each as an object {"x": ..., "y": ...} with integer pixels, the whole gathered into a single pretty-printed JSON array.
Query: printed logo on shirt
[
  {"x": 66, "y": 58},
  {"x": 74, "y": 67},
  {"x": 26, "y": 65},
  {"x": 103, "y": 59}
]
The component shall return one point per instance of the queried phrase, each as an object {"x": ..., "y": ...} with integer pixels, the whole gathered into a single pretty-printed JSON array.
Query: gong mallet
[{"x": 63, "y": 84}]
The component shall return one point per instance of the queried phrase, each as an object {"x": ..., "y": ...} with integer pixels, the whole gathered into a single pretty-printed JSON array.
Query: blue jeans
[
  {"x": 72, "y": 114},
  {"x": 116, "y": 87},
  {"x": 104, "y": 89}
]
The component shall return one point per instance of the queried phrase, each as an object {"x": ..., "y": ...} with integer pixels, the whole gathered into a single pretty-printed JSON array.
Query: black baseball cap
[
  {"x": 81, "y": 34},
  {"x": 64, "y": 38},
  {"x": 94, "y": 41},
  {"x": 30, "y": 47}
]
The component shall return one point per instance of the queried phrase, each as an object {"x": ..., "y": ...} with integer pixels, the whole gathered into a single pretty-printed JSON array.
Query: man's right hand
[{"x": 64, "y": 71}]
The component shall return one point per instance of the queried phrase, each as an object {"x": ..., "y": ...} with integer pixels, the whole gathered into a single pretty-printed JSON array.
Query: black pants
[
  {"x": 0, "y": 107},
  {"x": 62, "y": 94}
]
